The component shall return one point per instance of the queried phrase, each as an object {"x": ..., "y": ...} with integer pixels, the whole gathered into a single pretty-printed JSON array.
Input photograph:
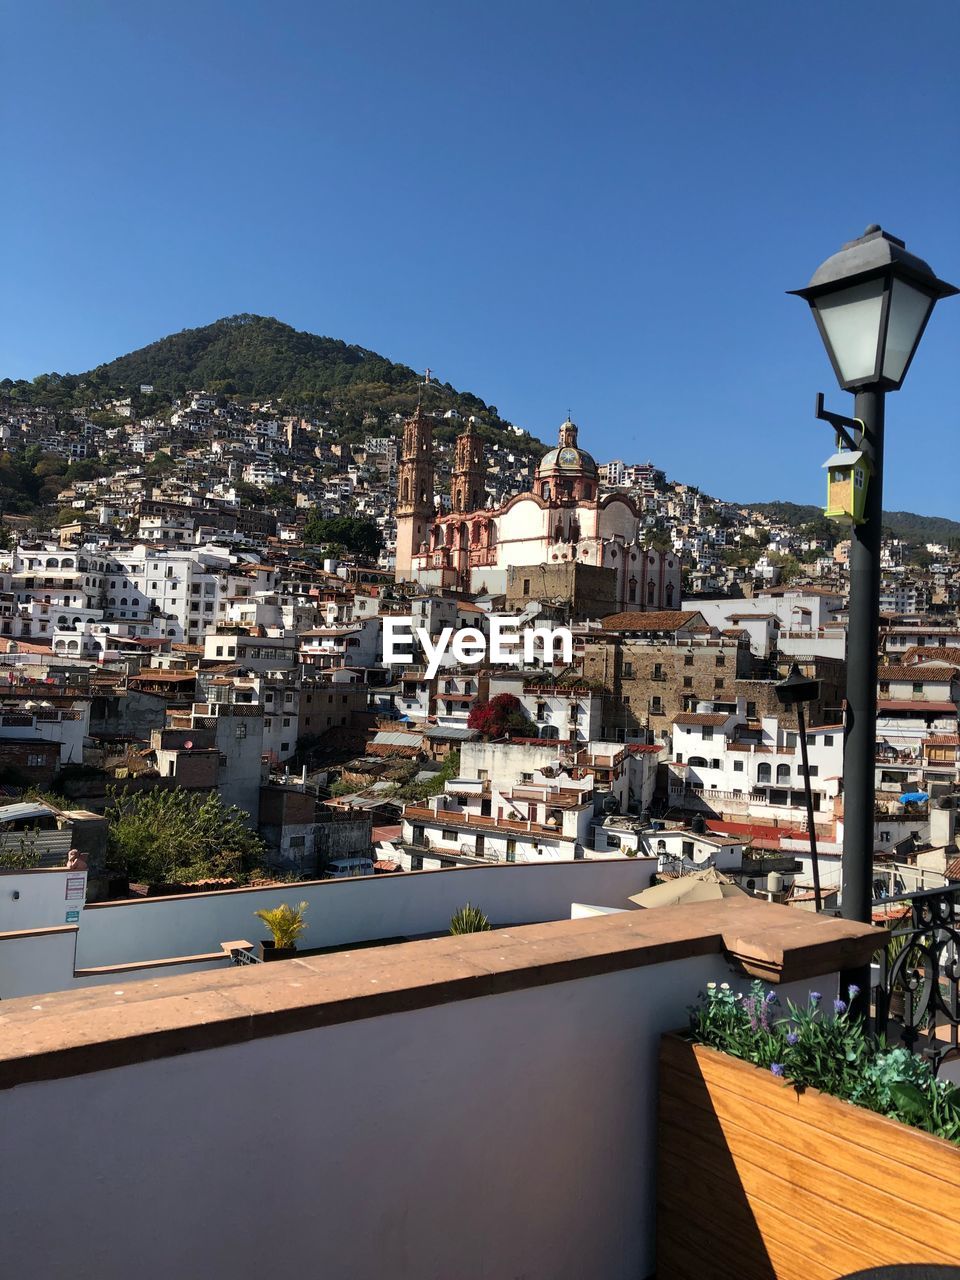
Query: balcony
[{"x": 249, "y": 1107}]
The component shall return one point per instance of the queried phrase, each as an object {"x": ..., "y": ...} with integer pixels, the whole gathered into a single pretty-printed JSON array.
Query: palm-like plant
[
  {"x": 469, "y": 920},
  {"x": 286, "y": 923}
]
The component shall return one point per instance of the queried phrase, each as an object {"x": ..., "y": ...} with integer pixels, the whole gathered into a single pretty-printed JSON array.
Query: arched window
[
  {"x": 763, "y": 773},
  {"x": 783, "y": 773},
  {"x": 406, "y": 489},
  {"x": 669, "y": 595},
  {"x": 651, "y": 592},
  {"x": 697, "y": 762}
]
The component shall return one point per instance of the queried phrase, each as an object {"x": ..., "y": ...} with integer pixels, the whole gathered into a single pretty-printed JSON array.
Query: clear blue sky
[{"x": 594, "y": 205}]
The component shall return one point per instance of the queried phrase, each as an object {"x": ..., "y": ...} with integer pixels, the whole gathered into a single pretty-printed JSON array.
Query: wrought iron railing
[{"x": 917, "y": 997}]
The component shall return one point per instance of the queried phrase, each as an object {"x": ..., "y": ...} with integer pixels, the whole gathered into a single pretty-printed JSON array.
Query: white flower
[
  {"x": 711, "y": 986},
  {"x": 724, "y": 986}
]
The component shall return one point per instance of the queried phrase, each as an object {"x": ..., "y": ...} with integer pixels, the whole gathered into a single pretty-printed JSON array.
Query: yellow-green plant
[
  {"x": 286, "y": 923},
  {"x": 469, "y": 920}
]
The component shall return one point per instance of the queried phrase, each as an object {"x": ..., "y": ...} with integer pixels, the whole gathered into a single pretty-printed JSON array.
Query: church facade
[{"x": 563, "y": 519}]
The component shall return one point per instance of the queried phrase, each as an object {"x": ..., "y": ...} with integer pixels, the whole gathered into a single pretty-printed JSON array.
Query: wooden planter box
[{"x": 756, "y": 1180}]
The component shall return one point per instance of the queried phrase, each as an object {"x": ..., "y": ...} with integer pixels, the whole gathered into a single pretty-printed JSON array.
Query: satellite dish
[{"x": 188, "y": 744}]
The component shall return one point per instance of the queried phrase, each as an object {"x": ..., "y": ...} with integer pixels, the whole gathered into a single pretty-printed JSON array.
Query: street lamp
[
  {"x": 871, "y": 302},
  {"x": 794, "y": 692}
]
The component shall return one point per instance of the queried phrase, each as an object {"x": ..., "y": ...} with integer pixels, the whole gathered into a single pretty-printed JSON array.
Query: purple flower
[
  {"x": 776, "y": 1068},
  {"x": 852, "y": 992},
  {"x": 815, "y": 997},
  {"x": 750, "y": 1006},
  {"x": 792, "y": 1038},
  {"x": 771, "y": 997},
  {"x": 839, "y": 1006}
]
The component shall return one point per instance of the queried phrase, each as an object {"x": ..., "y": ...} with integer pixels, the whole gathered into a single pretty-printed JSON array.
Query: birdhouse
[{"x": 848, "y": 474}]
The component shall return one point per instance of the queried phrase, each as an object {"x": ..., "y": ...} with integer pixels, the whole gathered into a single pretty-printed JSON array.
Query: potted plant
[
  {"x": 286, "y": 923},
  {"x": 793, "y": 1144}
]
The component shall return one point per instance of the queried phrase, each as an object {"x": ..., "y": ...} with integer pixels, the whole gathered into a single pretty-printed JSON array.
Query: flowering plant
[{"x": 826, "y": 1049}]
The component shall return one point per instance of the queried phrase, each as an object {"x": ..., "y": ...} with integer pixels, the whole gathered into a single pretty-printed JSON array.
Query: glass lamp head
[{"x": 871, "y": 302}]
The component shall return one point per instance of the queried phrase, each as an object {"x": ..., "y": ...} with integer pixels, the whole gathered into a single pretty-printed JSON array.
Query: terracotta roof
[
  {"x": 932, "y": 675},
  {"x": 666, "y": 620},
  {"x": 704, "y": 718},
  {"x": 952, "y": 869},
  {"x": 942, "y": 740},
  {"x": 172, "y": 676},
  {"x": 923, "y": 653}
]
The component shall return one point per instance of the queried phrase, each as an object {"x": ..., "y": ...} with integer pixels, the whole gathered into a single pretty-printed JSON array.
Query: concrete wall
[
  {"x": 32, "y": 962},
  {"x": 42, "y": 901},
  {"x": 353, "y": 910},
  {"x": 402, "y": 1145}
]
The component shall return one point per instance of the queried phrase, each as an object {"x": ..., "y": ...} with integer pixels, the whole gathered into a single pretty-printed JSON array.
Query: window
[
  {"x": 656, "y": 706},
  {"x": 884, "y": 686},
  {"x": 721, "y": 661},
  {"x": 240, "y": 732},
  {"x": 707, "y": 733},
  {"x": 511, "y": 850},
  {"x": 714, "y": 764},
  {"x": 738, "y": 766},
  {"x": 918, "y": 686},
  {"x": 526, "y": 586},
  {"x": 679, "y": 757},
  {"x": 658, "y": 671},
  {"x": 219, "y": 650},
  {"x": 751, "y": 711},
  {"x": 448, "y": 835},
  {"x": 688, "y": 682},
  {"x": 812, "y": 772},
  {"x": 763, "y": 773},
  {"x": 687, "y": 848},
  {"x": 35, "y": 761},
  {"x": 526, "y": 777},
  {"x": 284, "y": 746},
  {"x": 828, "y": 739},
  {"x": 791, "y": 741},
  {"x": 626, "y": 701},
  {"x": 628, "y": 669},
  {"x": 718, "y": 682},
  {"x": 297, "y": 842},
  {"x": 688, "y": 659},
  {"x": 783, "y": 773}
]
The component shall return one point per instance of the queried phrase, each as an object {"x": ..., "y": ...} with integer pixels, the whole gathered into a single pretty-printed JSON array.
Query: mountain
[
  {"x": 256, "y": 357},
  {"x": 902, "y": 524}
]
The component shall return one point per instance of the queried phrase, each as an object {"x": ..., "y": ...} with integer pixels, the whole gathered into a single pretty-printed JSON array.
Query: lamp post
[
  {"x": 794, "y": 692},
  {"x": 871, "y": 302}
]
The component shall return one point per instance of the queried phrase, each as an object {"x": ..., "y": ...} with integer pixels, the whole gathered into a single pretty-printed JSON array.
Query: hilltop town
[{"x": 202, "y": 591}]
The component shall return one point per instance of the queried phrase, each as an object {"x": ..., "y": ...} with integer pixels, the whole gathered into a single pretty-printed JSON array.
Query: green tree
[
  {"x": 167, "y": 837},
  {"x": 362, "y": 537}
]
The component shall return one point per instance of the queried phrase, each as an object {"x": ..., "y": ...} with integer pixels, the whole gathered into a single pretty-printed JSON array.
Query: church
[{"x": 563, "y": 520}]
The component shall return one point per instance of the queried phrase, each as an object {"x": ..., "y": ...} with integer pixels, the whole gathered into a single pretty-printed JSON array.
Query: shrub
[{"x": 469, "y": 920}]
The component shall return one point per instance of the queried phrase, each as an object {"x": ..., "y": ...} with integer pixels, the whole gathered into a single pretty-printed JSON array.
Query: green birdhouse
[{"x": 848, "y": 474}]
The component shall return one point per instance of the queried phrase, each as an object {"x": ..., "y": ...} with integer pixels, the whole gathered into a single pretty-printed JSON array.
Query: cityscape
[{"x": 559, "y": 783}]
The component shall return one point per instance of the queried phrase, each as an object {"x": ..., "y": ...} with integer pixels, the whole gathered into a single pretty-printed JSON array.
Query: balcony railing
[{"x": 918, "y": 991}]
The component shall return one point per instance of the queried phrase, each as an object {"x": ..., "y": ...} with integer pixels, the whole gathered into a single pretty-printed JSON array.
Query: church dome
[{"x": 567, "y": 459}]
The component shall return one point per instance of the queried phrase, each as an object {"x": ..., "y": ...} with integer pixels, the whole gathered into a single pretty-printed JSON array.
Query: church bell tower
[
  {"x": 468, "y": 482},
  {"x": 414, "y": 491}
]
